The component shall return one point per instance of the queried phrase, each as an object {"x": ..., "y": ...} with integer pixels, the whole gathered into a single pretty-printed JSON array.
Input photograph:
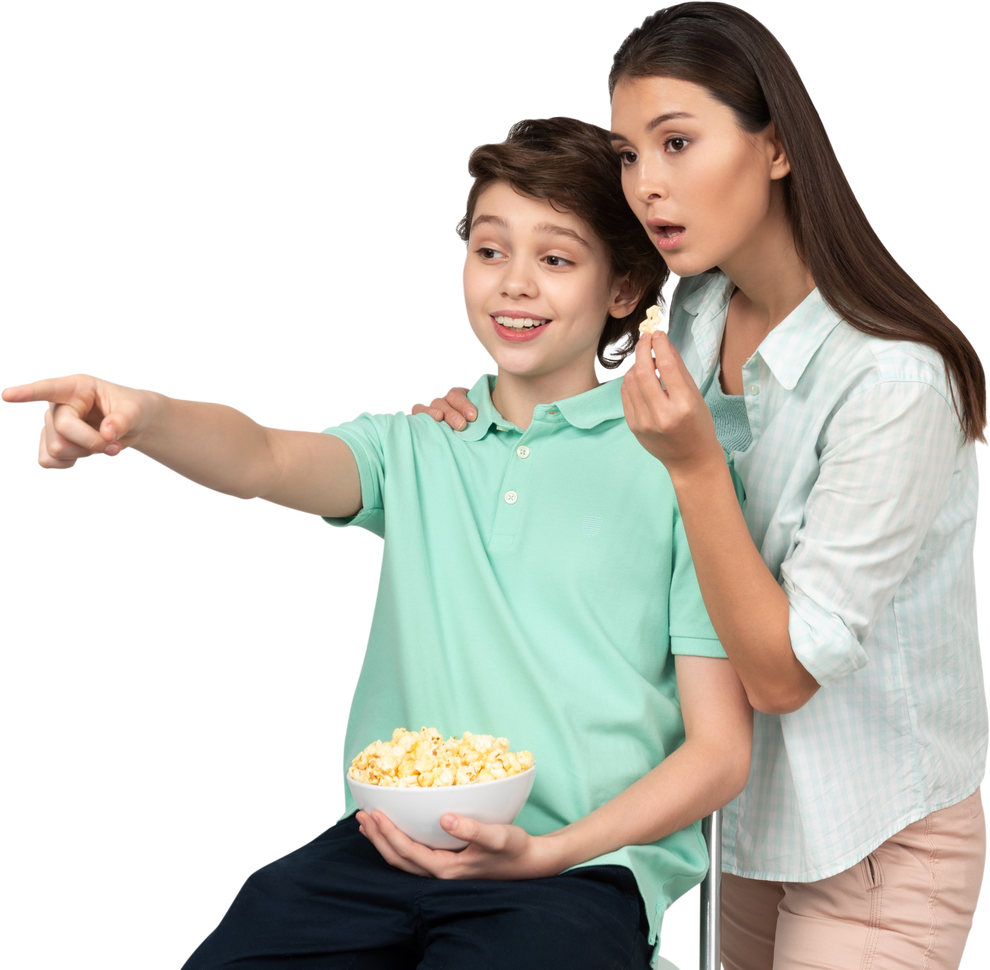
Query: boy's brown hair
[{"x": 572, "y": 166}]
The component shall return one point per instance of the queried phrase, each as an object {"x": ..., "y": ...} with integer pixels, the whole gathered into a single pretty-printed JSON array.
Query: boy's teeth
[{"x": 520, "y": 323}]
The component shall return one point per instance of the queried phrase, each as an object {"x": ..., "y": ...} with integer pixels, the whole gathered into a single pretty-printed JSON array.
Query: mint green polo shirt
[{"x": 535, "y": 585}]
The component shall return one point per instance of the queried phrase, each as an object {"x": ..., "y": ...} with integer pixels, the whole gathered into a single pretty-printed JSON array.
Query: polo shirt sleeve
[
  {"x": 691, "y": 632},
  {"x": 366, "y": 437}
]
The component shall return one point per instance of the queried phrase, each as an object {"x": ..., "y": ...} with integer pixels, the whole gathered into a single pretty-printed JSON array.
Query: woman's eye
[
  {"x": 628, "y": 158},
  {"x": 675, "y": 145}
]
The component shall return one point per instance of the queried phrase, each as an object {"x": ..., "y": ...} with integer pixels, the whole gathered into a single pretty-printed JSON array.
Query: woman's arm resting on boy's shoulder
[
  {"x": 704, "y": 773},
  {"x": 211, "y": 444},
  {"x": 455, "y": 408}
]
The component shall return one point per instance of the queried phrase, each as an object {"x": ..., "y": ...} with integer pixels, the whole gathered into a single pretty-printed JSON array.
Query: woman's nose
[{"x": 648, "y": 183}]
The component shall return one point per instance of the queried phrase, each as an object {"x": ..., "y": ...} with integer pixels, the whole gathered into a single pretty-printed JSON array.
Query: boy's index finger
[{"x": 60, "y": 390}]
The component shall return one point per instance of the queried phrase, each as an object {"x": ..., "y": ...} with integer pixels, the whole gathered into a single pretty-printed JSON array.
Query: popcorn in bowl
[{"x": 424, "y": 759}]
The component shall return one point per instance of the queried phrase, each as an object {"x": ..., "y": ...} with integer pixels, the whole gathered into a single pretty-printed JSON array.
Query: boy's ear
[{"x": 624, "y": 299}]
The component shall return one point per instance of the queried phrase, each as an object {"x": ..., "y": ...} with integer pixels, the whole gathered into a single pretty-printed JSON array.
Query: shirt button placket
[{"x": 510, "y": 498}]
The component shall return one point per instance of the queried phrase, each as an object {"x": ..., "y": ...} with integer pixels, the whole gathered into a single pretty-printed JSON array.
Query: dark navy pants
[{"x": 336, "y": 904}]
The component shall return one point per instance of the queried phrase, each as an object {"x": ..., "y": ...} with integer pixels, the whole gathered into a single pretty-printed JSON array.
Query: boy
[{"x": 536, "y": 584}]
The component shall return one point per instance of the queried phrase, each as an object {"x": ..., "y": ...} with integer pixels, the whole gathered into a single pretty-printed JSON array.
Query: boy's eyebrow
[
  {"x": 552, "y": 229},
  {"x": 490, "y": 220},
  {"x": 653, "y": 125},
  {"x": 547, "y": 228}
]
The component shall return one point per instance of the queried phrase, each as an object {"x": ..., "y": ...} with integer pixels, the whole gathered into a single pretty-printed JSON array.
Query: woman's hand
[
  {"x": 494, "y": 851},
  {"x": 670, "y": 419},
  {"x": 85, "y": 416},
  {"x": 455, "y": 409}
]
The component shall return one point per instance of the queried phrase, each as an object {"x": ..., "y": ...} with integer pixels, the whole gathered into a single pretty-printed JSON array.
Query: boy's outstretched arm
[
  {"x": 211, "y": 444},
  {"x": 706, "y": 772}
]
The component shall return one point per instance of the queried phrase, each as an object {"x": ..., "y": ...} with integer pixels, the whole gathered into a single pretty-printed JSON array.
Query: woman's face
[
  {"x": 707, "y": 191},
  {"x": 537, "y": 285}
]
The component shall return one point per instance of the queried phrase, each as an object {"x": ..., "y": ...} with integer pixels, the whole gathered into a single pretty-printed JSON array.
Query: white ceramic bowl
[{"x": 417, "y": 811}]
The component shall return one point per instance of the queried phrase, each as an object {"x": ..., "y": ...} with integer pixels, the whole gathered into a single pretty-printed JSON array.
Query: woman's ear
[
  {"x": 624, "y": 299},
  {"x": 780, "y": 165}
]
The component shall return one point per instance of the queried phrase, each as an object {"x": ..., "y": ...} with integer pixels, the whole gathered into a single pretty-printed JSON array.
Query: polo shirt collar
[{"x": 587, "y": 410}]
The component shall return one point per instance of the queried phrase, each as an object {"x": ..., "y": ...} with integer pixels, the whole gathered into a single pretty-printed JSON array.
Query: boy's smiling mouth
[
  {"x": 518, "y": 326},
  {"x": 518, "y": 323}
]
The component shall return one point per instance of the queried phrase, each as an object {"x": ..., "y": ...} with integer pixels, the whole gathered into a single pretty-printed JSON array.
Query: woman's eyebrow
[{"x": 653, "y": 125}]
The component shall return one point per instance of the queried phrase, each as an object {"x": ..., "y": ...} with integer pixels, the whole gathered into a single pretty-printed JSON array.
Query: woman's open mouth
[
  {"x": 518, "y": 327},
  {"x": 667, "y": 236}
]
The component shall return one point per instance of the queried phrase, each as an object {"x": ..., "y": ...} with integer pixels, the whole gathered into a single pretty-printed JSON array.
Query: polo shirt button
[
  {"x": 754, "y": 389},
  {"x": 510, "y": 498},
  {"x": 522, "y": 451}
]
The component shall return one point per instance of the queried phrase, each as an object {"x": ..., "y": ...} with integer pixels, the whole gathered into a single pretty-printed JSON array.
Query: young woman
[
  {"x": 843, "y": 590},
  {"x": 639, "y": 728}
]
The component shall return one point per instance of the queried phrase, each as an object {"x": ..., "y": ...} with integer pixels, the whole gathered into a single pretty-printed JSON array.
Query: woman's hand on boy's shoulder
[{"x": 455, "y": 409}]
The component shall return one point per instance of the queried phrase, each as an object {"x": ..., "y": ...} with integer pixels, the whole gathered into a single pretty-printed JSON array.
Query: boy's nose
[{"x": 517, "y": 282}]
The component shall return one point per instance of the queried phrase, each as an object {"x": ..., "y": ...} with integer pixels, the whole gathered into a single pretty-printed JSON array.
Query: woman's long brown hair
[{"x": 729, "y": 52}]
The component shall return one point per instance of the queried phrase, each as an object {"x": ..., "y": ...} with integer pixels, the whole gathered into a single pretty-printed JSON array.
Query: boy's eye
[
  {"x": 557, "y": 261},
  {"x": 486, "y": 252}
]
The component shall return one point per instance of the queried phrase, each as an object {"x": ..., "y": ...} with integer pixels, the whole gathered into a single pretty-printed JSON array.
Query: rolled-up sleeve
[{"x": 886, "y": 462}]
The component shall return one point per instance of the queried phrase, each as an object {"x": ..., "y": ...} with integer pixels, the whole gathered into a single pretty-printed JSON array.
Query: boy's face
[{"x": 538, "y": 286}]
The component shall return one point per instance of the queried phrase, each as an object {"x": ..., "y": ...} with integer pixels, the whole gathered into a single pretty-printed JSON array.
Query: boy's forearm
[
  {"x": 211, "y": 444},
  {"x": 691, "y": 783}
]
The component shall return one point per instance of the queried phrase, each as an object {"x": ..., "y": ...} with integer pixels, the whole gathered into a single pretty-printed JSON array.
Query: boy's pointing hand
[
  {"x": 493, "y": 851},
  {"x": 85, "y": 416}
]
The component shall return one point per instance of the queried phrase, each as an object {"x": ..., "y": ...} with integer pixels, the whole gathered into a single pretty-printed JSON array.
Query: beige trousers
[{"x": 907, "y": 906}]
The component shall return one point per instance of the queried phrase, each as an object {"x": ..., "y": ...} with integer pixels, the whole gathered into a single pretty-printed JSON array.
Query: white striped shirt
[{"x": 860, "y": 493}]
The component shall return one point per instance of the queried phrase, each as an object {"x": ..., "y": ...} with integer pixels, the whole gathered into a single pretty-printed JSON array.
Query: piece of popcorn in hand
[{"x": 653, "y": 321}]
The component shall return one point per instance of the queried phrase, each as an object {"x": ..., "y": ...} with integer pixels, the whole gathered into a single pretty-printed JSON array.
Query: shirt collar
[
  {"x": 789, "y": 347},
  {"x": 707, "y": 305},
  {"x": 587, "y": 410}
]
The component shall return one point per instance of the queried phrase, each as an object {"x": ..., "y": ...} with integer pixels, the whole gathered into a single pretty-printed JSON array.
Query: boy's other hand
[
  {"x": 493, "y": 851},
  {"x": 455, "y": 409},
  {"x": 85, "y": 416}
]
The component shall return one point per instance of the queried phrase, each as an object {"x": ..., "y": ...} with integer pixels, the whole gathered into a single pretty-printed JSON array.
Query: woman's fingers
[
  {"x": 455, "y": 409},
  {"x": 660, "y": 388},
  {"x": 673, "y": 373},
  {"x": 456, "y": 403},
  {"x": 645, "y": 396},
  {"x": 492, "y": 838}
]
